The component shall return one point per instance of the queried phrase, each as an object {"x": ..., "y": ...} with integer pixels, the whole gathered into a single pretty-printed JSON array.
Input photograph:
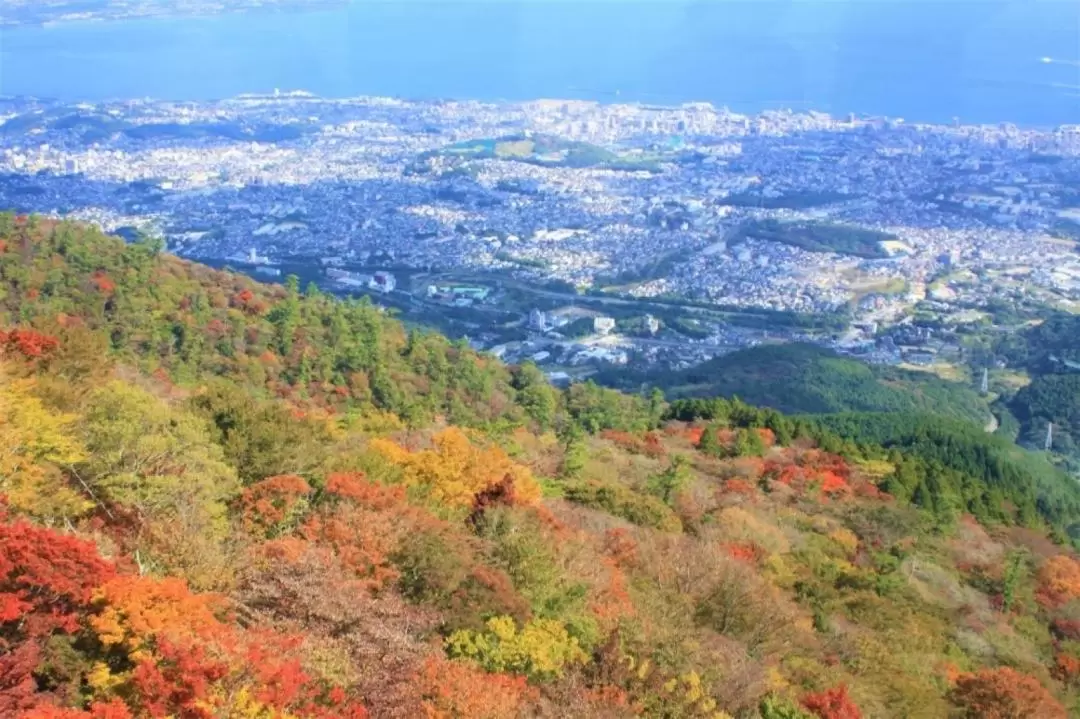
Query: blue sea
[{"x": 924, "y": 60}]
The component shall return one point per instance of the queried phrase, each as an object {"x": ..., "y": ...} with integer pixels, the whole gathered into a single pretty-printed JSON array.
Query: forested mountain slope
[
  {"x": 1050, "y": 354},
  {"x": 803, "y": 378},
  {"x": 222, "y": 499}
]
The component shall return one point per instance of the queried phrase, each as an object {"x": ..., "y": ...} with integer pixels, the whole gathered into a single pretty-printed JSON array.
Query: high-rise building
[
  {"x": 538, "y": 320},
  {"x": 652, "y": 324}
]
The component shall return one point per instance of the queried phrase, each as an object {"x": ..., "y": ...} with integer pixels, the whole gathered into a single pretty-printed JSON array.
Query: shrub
[
  {"x": 541, "y": 650},
  {"x": 643, "y": 510}
]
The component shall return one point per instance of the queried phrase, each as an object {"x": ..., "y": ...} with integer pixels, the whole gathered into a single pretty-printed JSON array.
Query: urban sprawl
[{"x": 580, "y": 233}]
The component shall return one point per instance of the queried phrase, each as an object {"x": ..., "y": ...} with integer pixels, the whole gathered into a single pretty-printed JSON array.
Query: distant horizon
[{"x": 925, "y": 62}]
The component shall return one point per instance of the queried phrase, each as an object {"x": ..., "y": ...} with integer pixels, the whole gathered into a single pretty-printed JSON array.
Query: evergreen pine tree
[{"x": 709, "y": 443}]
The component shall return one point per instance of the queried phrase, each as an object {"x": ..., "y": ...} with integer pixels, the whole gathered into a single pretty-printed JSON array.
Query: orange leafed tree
[
  {"x": 621, "y": 547},
  {"x": 363, "y": 522},
  {"x": 103, "y": 283},
  {"x": 1066, "y": 669},
  {"x": 1004, "y": 693},
  {"x": 47, "y": 582},
  {"x": 832, "y": 703},
  {"x": 267, "y": 506},
  {"x": 28, "y": 343},
  {"x": 452, "y": 689},
  {"x": 1059, "y": 581},
  {"x": 647, "y": 444},
  {"x": 745, "y": 551},
  {"x": 114, "y": 709},
  {"x": 136, "y": 611}
]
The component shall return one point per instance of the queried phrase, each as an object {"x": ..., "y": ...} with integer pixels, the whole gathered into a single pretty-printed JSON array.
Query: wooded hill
[
  {"x": 1050, "y": 353},
  {"x": 225, "y": 499},
  {"x": 803, "y": 378}
]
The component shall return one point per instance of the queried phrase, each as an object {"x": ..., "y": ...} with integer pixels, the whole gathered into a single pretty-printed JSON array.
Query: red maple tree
[
  {"x": 832, "y": 703},
  {"x": 1004, "y": 693}
]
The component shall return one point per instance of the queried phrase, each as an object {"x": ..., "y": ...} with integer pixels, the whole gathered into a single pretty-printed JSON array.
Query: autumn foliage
[
  {"x": 103, "y": 283},
  {"x": 453, "y": 689},
  {"x": 226, "y": 499},
  {"x": 455, "y": 469},
  {"x": 829, "y": 473},
  {"x": 647, "y": 444},
  {"x": 1059, "y": 580},
  {"x": 832, "y": 704},
  {"x": 745, "y": 551},
  {"x": 1066, "y": 669},
  {"x": 27, "y": 343},
  {"x": 1004, "y": 693},
  {"x": 47, "y": 580},
  {"x": 169, "y": 651},
  {"x": 269, "y": 505}
]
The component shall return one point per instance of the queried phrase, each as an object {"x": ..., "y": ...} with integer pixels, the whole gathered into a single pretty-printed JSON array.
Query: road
[{"x": 576, "y": 299}]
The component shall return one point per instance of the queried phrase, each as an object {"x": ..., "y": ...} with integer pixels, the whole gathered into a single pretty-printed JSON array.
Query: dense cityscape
[{"x": 484, "y": 212}]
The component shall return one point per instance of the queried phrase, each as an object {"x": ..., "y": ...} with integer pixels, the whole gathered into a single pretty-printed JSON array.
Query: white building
[
  {"x": 538, "y": 320},
  {"x": 351, "y": 279},
  {"x": 603, "y": 325},
  {"x": 383, "y": 282},
  {"x": 652, "y": 324}
]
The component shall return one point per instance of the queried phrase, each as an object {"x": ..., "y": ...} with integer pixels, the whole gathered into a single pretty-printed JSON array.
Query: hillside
[
  {"x": 543, "y": 150},
  {"x": 802, "y": 378},
  {"x": 1050, "y": 398},
  {"x": 819, "y": 237},
  {"x": 1049, "y": 353},
  {"x": 223, "y": 499},
  {"x": 1045, "y": 347}
]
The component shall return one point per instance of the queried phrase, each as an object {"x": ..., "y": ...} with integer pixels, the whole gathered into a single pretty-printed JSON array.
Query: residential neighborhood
[{"x": 509, "y": 211}]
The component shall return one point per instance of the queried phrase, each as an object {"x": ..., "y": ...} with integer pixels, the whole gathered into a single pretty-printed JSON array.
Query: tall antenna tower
[
  {"x": 985, "y": 386},
  {"x": 1049, "y": 436}
]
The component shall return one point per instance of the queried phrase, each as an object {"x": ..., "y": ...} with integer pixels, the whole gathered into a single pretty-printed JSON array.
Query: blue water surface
[{"x": 924, "y": 60}]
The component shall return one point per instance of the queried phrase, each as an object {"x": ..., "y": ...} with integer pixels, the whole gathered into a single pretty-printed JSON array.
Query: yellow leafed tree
[
  {"x": 542, "y": 649},
  {"x": 35, "y": 446},
  {"x": 455, "y": 469}
]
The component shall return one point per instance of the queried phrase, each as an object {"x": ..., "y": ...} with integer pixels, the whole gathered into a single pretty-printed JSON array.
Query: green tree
[
  {"x": 535, "y": 394},
  {"x": 151, "y": 458},
  {"x": 776, "y": 707},
  {"x": 286, "y": 316},
  {"x": 667, "y": 484},
  {"x": 709, "y": 444},
  {"x": 260, "y": 438},
  {"x": 1012, "y": 579},
  {"x": 161, "y": 464},
  {"x": 748, "y": 443},
  {"x": 572, "y": 439}
]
